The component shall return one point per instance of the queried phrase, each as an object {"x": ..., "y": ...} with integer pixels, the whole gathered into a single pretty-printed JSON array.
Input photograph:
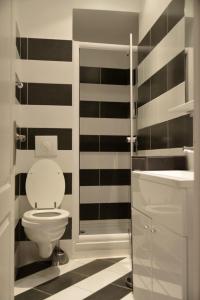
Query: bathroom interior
[{"x": 99, "y": 180}]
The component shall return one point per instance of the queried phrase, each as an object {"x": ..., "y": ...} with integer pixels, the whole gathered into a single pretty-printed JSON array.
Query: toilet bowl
[{"x": 46, "y": 223}]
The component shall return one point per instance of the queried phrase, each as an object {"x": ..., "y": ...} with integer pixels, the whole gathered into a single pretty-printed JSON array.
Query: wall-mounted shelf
[{"x": 186, "y": 107}]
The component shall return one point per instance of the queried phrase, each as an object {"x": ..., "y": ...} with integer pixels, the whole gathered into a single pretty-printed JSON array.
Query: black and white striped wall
[
  {"x": 161, "y": 80},
  {"x": 43, "y": 108},
  {"x": 104, "y": 126}
]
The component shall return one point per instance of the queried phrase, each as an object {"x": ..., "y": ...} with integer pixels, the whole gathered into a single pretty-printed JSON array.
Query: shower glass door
[{"x": 104, "y": 149}]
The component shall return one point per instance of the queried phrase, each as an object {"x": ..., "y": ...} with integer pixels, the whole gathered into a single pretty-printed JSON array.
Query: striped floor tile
[{"x": 80, "y": 279}]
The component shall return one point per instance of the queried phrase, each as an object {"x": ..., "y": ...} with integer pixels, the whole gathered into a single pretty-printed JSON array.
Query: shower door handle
[{"x": 134, "y": 139}]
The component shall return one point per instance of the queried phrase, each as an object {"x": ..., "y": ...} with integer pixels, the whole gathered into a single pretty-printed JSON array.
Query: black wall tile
[
  {"x": 18, "y": 143},
  {"x": 68, "y": 183},
  {"x": 175, "y": 12},
  {"x": 89, "y": 177},
  {"x": 114, "y": 143},
  {"x": 159, "y": 163},
  {"x": 18, "y": 45},
  {"x": 89, "y": 143},
  {"x": 90, "y": 75},
  {"x": 115, "y": 76},
  {"x": 144, "y": 47},
  {"x": 49, "y": 94},
  {"x": 139, "y": 163},
  {"x": 115, "y": 211},
  {"x": 159, "y": 83},
  {"x": 176, "y": 71},
  {"x": 68, "y": 231},
  {"x": 23, "y": 183},
  {"x": 159, "y": 137},
  {"x": 17, "y": 93},
  {"x": 24, "y": 48},
  {"x": 181, "y": 132},
  {"x": 89, "y": 109},
  {"x": 115, "y": 110},
  {"x": 115, "y": 177},
  {"x": 144, "y": 93},
  {"x": 17, "y": 185},
  {"x": 159, "y": 29},
  {"x": 89, "y": 211},
  {"x": 48, "y": 49},
  {"x": 144, "y": 139},
  {"x": 20, "y": 233},
  {"x": 24, "y": 145},
  {"x": 167, "y": 163},
  {"x": 64, "y": 137},
  {"x": 24, "y": 93}
]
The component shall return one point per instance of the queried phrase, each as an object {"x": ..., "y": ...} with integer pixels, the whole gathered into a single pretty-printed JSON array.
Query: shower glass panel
[{"x": 104, "y": 150}]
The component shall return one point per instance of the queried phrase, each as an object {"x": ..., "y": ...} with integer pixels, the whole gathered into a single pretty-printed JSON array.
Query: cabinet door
[
  {"x": 168, "y": 264},
  {"x": 142, "y": 257}
]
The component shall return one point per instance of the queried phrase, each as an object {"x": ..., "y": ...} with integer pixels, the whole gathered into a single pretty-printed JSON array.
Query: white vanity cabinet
[
  {"x": 160, "y": 235},
  {"x": 142, "y": 255}
]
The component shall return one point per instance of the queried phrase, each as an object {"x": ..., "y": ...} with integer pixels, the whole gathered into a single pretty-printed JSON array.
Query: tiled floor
[{"x": 92, "y": 279}]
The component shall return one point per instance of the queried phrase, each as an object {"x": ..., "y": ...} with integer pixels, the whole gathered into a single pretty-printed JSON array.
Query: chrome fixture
[
  {"x": 19, "y": 84},
  {"x": 128, "y": 139},
  {"x": 20, "y": 137},
  {"x": 188, "y": 149}
]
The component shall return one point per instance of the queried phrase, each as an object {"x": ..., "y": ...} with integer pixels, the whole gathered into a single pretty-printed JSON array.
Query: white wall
[{"x": 53, "y": 19}]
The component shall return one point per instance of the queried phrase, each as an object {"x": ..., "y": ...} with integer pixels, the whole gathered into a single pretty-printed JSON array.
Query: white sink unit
[{"x": 161, "y": 211}]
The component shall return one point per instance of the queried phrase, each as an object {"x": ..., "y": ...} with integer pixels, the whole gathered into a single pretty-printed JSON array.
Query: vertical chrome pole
[{"x": 131, "y": 91}]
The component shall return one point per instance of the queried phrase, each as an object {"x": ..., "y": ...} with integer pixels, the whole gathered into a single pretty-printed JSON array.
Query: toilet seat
[
  {"x": 45, "y": 184},
  {"x": 45, "y": 215}
]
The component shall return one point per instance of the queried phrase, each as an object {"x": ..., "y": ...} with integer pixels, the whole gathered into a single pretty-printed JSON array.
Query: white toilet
[{"x": 46, "y": 223}]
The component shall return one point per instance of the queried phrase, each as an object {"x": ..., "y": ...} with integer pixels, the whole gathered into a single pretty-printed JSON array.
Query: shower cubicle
[{"x": 106, "y": 79}]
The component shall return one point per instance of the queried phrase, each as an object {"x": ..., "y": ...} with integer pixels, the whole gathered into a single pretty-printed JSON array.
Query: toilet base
[{"x": 45, "y": 249}]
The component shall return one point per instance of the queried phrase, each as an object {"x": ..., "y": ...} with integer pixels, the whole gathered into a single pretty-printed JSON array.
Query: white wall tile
[
  {"x": 165, "y": 51},
  {"x": 25, "y": 159},
  {"x": 101, "y": 160},
  {"x": 157, "y": 110},
  {"x": 104, "y": 194},
  {"x": 162, "y": 152},
  {"x": 113, "y": 226},
  {"x": 104, "y": 92},
  {"x": 39, "y": 116},
  {"x": 46, "y": 71},
  {"x": 67, "y": 204},
  {"x": 149, "y": 14},
  {"x": 104, "y": 126},
  {"x": 104, "y": 58}
]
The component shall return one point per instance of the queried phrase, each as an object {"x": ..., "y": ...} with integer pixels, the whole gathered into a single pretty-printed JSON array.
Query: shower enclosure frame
[{"x": 98, "y": 243}]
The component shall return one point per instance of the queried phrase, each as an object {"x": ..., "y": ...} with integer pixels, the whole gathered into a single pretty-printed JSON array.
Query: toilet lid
[{"x": 45, "y": 184}]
